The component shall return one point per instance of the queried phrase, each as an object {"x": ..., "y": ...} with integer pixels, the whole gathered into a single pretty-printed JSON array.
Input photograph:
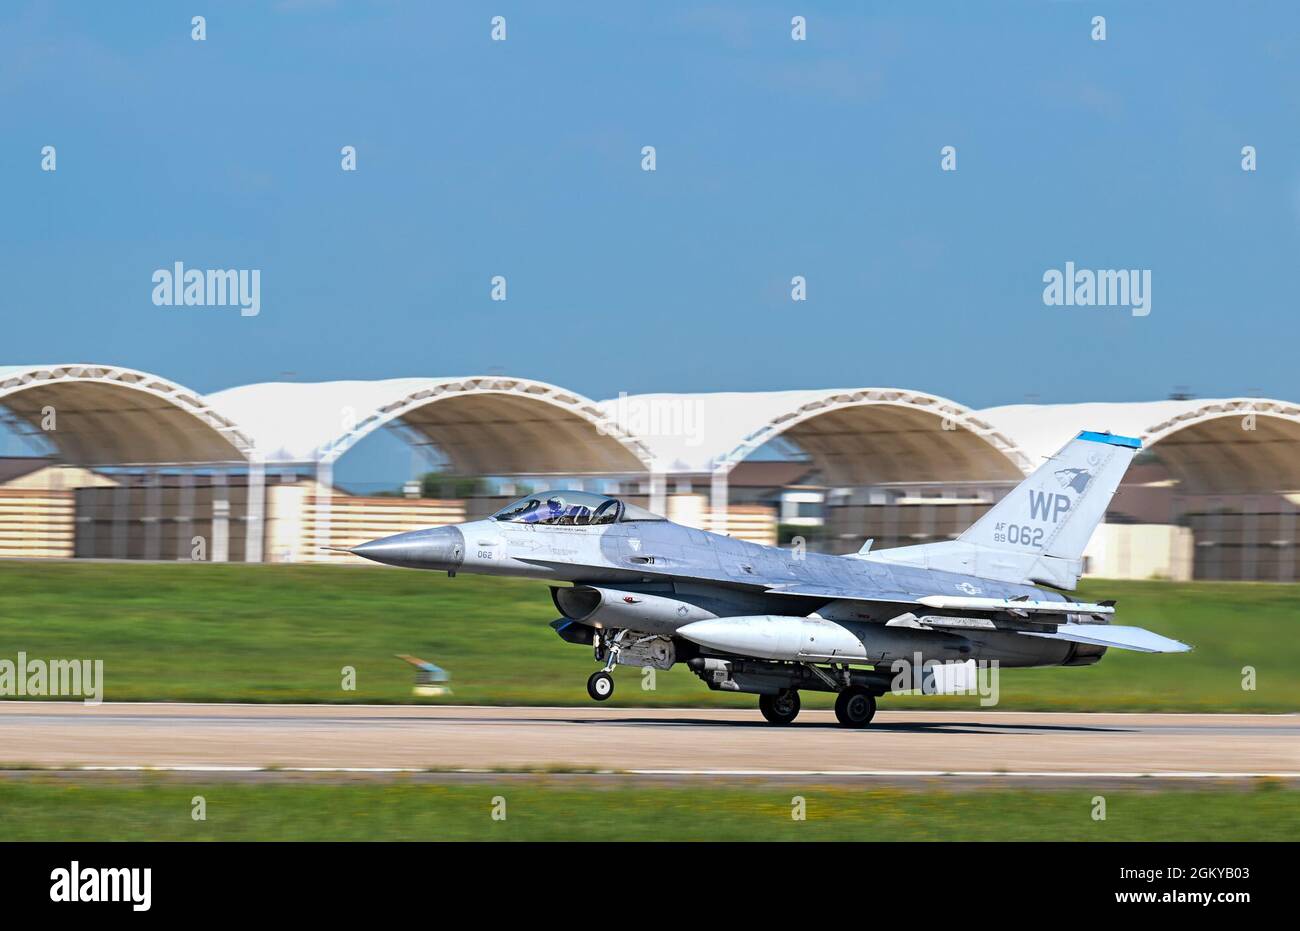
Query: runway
[{"x": 651, "y": 742}]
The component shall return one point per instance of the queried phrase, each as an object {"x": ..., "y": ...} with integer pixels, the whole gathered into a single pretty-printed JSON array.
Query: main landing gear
[
  {"x": 781, "y": 708},
  {"x": 855, "y": 707}
]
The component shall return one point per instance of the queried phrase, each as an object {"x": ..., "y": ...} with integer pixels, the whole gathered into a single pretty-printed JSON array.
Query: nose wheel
[{"x": 600, "y": 685}]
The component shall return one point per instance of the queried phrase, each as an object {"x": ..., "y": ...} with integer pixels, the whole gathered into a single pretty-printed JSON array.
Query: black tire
[
  {"x": 781, "y": 708},
  {"x": 600, "y": 685},
  {"x": 855, "y": 707}
]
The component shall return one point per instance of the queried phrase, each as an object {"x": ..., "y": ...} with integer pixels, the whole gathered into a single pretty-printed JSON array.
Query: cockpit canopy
[{"x": 574, "y": 508}]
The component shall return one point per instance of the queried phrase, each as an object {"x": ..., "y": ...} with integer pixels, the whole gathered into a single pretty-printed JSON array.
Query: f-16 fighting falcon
[{"x": 644, "y": 591}]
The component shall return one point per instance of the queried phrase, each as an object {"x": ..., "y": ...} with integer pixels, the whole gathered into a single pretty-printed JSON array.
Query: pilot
[{"x": 552, "y": 512}]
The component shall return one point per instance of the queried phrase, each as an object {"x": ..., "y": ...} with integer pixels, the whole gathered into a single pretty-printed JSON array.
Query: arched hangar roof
[
  {"x": 486, "y": 425},
  {"x": 1212, "y": 446},
  {"x": 857, "y": 436},
  {"x": 109, "y": 415}
]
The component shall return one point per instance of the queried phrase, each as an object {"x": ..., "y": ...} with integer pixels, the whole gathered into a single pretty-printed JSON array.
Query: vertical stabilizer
[
  {"x": 1055, "y": 510},
  {"x": 1038, "y": 532}
]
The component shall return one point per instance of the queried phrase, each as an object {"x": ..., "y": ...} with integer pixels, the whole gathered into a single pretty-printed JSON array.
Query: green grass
[
  {"x": 35, "y": 809},
  {"x": 202, "y": 632}
]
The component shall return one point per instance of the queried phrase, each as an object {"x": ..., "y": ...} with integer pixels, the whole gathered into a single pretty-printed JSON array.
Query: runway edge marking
[{"x": 901, "y": 773}]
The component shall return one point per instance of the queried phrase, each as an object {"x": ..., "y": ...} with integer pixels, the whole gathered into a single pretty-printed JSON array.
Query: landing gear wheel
[
  {"x": 855, "y": 707},
  {"x": 600, "y": 685},
  {"x": 781, "y": 708}
]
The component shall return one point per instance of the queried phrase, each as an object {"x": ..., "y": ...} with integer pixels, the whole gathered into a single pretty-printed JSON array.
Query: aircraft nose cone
[{"x": 436, "y": 548}]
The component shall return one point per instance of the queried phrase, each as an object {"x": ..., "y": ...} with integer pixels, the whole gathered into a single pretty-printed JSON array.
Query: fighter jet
[{"x": 644, "y": 591}]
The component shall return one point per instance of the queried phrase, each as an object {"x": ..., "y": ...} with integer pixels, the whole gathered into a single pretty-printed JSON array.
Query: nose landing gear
[{"x": 600, "y": 685}]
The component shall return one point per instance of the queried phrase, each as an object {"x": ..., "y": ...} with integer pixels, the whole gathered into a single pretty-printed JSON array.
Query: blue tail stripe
[{"x": 1111, "y": 438}]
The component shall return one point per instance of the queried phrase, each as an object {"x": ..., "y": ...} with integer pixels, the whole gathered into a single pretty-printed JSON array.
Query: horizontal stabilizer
[{"x": 1111, "y": 635}]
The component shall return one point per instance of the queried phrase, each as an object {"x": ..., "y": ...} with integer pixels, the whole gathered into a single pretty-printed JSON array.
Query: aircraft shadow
[{"x": 912, "y": 727}]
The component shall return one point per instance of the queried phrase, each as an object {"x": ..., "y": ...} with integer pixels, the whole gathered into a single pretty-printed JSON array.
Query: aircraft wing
[
  {"x": 1021, "y": 607},
  {"x": 837, "y": 593},
  {"x": 1041, "y": 612},
  {"x": 1111, "y": 635}
]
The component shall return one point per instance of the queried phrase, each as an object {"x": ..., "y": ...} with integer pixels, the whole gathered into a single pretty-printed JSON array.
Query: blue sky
[{"x": 775, "y": 158}]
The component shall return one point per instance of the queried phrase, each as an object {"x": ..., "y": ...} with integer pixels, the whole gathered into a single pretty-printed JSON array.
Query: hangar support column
[
  {"x": 658, "y": 492},
  {"x": 185, "y": 516},
  {"x": 718, "y": 494},
  {"x": 255, "y": 508},
  {"x": 220, "y": 551},
  {"x": 324, "y": 494},
  {"x": 121, "y": 513},
  {"x": 152, "y": 516}
]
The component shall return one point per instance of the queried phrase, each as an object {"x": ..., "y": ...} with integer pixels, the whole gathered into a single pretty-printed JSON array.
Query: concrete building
[{"x": 38, "y": 506}]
